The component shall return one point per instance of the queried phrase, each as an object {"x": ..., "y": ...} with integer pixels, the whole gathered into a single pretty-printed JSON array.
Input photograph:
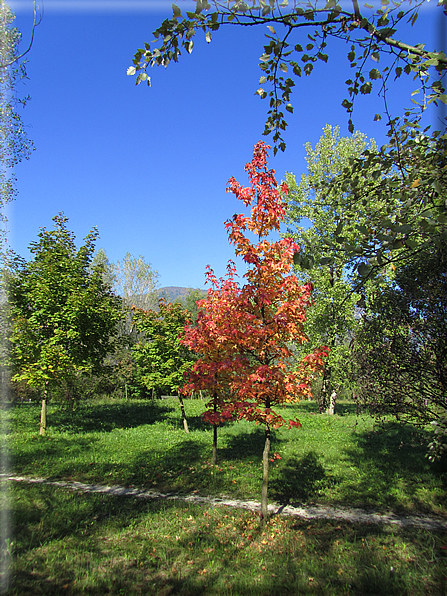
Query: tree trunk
[
  {"x": 265, "y": 476},
  {"x": 43, "y": 414},
  {"x": 331, "y": 408},
  {"x": 214, "y": 460},
  {"x": 323, "y": 402},
  {"x": 182, "y": 406},
  {"x": 125, "y": 390}
]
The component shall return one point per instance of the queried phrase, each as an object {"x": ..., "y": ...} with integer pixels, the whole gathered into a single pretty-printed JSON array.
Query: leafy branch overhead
[
  {"x": 297, "y": 37},
  {"x": 406, "y": 182}
]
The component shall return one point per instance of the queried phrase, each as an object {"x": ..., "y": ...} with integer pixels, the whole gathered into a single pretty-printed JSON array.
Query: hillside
[{"x": 173, "y": 292}]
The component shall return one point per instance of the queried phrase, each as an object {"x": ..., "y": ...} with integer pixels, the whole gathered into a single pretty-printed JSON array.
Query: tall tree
[
  {"x": 101, "y": 262},
  {"x": 298, "y": 35},
  {"x": 407, "y": 178},
  {"x": 250, "y": 332},
  {"x": 400, "y": 352},
  {"x": 136, "y": 282},
  {"x": 313, "y": 216},
  {"x": 64, "y": 319},
  {"x": 14, "y": 142}
]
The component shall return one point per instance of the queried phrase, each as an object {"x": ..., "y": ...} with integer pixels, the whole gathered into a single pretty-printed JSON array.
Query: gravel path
[{"x": 427, "y": 522}]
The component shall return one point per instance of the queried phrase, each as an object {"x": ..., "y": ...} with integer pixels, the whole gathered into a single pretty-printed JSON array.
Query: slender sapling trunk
[
  {"x": 214, "y": 459},
  {"x": 265, "y": 476},
  {"x": 43, "y": 414},
  {"x": 182, "y": 406}
]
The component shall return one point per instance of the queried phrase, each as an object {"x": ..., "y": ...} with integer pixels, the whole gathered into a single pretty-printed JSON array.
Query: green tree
[
  {"x": 14, "y": 142},
  {"x": 64, "y": 318},
  {"x": 313, "y": 217},
  {"x": 108, "y": 270},
  {"x": 298, "y": 36},
  {"x": 190, "y": 302},
  {"x": 160, "y": 358},
  {"x": 407, "y": 179},
  {"x": 136, "y": 282},
  {"x": 400, "y": 352}
]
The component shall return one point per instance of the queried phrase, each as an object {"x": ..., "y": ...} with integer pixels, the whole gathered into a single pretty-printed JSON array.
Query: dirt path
[{"x": 427, "y": 522}]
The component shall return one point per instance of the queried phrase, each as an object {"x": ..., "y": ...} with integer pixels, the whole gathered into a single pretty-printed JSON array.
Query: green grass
[
  {"x": 338, "y": 460},
  {"x": 63, "y": 542}
]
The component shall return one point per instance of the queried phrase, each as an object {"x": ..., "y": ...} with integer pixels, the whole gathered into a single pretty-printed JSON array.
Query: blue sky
[{"x": 149, "y": 167}]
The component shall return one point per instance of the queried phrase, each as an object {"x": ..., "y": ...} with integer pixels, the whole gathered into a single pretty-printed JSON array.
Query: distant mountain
[{"x": 173, "y": 292}]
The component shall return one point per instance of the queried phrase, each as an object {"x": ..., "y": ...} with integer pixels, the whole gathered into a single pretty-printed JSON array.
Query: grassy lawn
[{"x": 65, "y": 543}]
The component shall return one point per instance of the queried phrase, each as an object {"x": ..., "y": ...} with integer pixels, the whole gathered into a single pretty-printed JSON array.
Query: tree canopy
[
  {"x": 298, "y": 35},
  {"x": 405, "y": 182},
  {"x": 64, "y": 317},
  {"x": 244, "y": 335},
  {"x": 14, "y": 142},
  {"x": 333, "y": 318},
  {"x": 400, "y": 352}
]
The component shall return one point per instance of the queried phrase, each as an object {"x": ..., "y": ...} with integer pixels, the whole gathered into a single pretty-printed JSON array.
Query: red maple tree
[{"x": 244, "y": 335}]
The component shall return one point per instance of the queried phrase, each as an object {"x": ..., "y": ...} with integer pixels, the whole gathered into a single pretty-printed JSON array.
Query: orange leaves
[{"x": 243, "y": 334}]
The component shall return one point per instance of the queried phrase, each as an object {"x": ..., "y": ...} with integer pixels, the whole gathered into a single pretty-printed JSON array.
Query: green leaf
[
  {"x": 374, "y": 74},
  {"x": 208, "y": 36},
  {"x": 131, "y": 71},
  {"x": 411, "y": 243},
  {"x": 363, "y": 269}
]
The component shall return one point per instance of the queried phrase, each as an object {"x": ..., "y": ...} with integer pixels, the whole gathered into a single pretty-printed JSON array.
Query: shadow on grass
[
  {"x": 345, "y": 409},
  {"x": 341, "y": 408},
  {"x": 392, "y": 462},
  {"x": 67, "y": 543},
  {"x": 107, "y": 417},
  {"x": 240, "y": 446},
  {"x": 300, "y": 480},
  {"x": 47, "y": 451}
]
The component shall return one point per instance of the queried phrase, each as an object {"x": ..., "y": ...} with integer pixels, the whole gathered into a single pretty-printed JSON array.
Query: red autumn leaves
[{"x": 244, "y": 335}]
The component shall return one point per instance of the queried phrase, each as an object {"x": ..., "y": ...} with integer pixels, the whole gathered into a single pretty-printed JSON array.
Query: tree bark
[
  {"x": 182, "y": 406},
  {"x": 331, "y": 407},
  {"x": 265, "y": 476},
  {"x": 43, "y": 415},
  {"x": 214, "y": 460}
]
